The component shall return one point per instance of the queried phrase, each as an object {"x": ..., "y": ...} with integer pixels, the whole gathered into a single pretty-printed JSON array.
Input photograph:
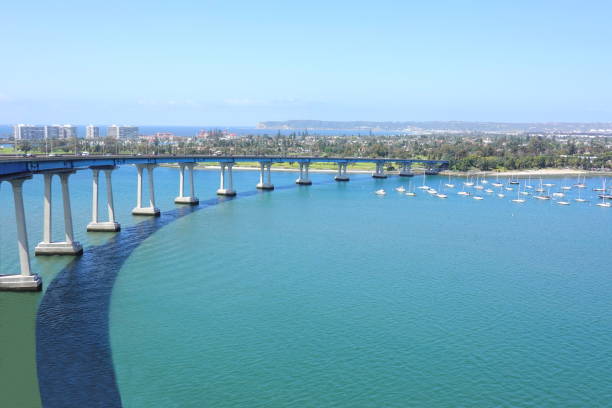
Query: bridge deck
[{"x": 41, "y": 163}]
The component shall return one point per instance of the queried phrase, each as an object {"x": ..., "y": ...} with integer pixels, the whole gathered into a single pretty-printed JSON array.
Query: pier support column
[
  {"x": 342, "y": 176},
  {"x": 69, "y": 246},
  {"x": 96, "y": 225},
  {"x": 229, "y": 189},
  {"x": 151, "y": 210},
  {"x": 264, "y": 177},
  {"x": 304, "y": 179},
  {"x": 380, "y": 170},
  {"x": 25, "y": 280},
  {"x": 406, "y": 170},
  {"x": 191, "y": 199}
]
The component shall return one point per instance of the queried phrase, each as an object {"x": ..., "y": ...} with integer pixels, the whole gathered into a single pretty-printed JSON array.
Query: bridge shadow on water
[{"x": 73, "y": 353}]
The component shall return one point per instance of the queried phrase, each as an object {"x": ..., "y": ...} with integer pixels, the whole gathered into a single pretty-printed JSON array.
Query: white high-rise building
[
  {"x": 53, "y": 131},
  {"x": 60, "y": 132},
  {"x": 122, "y": 132},
  {"x": 28, "y": 132},
  {"x": 92, "y": 132},
  {"x": 69, "y": 132}
]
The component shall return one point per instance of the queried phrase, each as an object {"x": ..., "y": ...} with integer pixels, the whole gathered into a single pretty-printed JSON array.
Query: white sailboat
[
  {"x": 580, "y": 199},
  {"x": 410, "y": 193},
  {"x": 543, "y": 197},
  {"x": 380, "y": 192},
  {"x": 604, "y": 203},
  {"x": 518, "y": 198},
  {"x": 449, "y": 184},
  {"x": 468, "y": 182},
  {"x": 478, "y": 185},
  {"x": 424, "y": 186},
  {"x": 528, "y": 185},
  {"x": 497, "y": 183}
]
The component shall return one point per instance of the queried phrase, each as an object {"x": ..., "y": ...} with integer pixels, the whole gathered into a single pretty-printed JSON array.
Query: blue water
[{"x": 330, "y": 296}]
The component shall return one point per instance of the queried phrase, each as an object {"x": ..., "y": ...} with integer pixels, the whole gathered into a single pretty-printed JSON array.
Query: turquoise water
[{"x": 331, "y": 296}]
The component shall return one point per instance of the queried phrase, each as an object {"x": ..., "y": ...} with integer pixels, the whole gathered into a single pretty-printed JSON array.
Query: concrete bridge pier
[
  {"x": 265, "y": 178},
  {"x": 47, "y": 246},
  {"x": 181, "y": 199},
  {"x": 342, "y": 176},
  {"x": 151, "y": 210},
  {"x": 25, "y": 280},
  {"x": 229, "y": 189},
  {"x": 304, "y": 179},
  {"x": 96, "y": 225},
  {"x": 406, "y": 170},
  {"x": 380, "y": 170}
]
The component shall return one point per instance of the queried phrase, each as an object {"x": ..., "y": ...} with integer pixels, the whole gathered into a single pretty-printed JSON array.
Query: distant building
[
  {"x": 164, "y": 135},
  {"x": 122, "y": 132},
  {"x": 92, "y": 132},
  {"x": 60, "y": 132},
  {"x": 53, "y": 132},
  {"x": 69, "y": 132},
  {"x": 28, "y": 132}
]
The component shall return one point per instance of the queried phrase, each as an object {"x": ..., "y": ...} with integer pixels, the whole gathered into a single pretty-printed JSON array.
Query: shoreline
[{"x": 510, "y": 173}]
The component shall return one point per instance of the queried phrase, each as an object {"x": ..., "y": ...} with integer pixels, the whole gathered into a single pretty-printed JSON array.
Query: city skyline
[{"x": 189, "y": 63}]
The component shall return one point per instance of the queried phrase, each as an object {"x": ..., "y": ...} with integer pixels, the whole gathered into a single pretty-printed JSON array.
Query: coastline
[{"x": 551, "y": 172}]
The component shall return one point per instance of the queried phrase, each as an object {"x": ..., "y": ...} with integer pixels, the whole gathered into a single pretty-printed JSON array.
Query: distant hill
[{"x": 453, "y": 126}]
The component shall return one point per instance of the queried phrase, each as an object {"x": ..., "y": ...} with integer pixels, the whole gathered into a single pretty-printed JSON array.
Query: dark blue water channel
[{"x": 77, "y": 371}]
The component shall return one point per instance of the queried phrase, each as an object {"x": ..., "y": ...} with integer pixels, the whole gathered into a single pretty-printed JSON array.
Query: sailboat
[
  {"x": 603, "y": 187},
  {"x": 579, "y": 184},
  {"x": 449, "y": 184},
  {"x": 604, "y": 203},
  {"x": 528, "y": 185},
  {"x": 518, "y": 198},
  {"x": 484, "y": 180},
  {"x": 424, "y": 186},
  {"x": 468, "y": 182},
  {"x": 410, "y": 193},
  {"x": 380, "y": 192},
  {"x": 400, "y": 189},
  {"x": 540, "y": 189},
  {"x": 580, "y": 199},
  {"x": 497, "y": 183},
  {"x": 478, "y": 185},
  {"x": 543, "y": 197}
]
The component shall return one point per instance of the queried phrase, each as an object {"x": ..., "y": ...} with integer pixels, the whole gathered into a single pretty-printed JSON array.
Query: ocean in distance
[{"x": 320, "y": 296}]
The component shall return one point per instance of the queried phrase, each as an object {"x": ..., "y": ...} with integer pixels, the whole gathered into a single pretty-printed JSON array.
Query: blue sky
[{"x": 240, "y": 62}]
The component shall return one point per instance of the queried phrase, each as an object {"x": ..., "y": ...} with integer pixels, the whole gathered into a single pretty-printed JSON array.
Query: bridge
[{"x": 18, "y": 170}]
